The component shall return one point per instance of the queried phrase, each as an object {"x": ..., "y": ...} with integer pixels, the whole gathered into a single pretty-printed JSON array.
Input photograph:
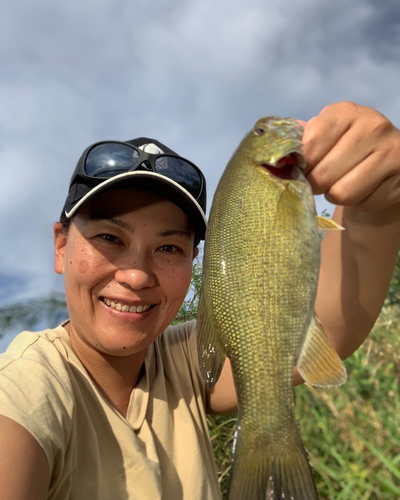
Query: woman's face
[{"x": 127, "y": 263}]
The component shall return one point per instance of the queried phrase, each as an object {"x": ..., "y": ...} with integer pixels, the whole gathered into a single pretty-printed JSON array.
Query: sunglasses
[{"x": 104, "y": 160}]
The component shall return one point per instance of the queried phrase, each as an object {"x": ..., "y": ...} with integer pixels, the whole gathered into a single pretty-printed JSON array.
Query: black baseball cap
[{"x": 190, "y": 199}]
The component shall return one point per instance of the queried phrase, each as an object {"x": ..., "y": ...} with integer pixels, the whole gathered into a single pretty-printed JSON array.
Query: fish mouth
[{"x": 289, "y": 167}]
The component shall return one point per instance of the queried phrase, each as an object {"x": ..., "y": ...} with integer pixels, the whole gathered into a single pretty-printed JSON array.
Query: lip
[
  {"x": 128, "y": 316},
  {"x": 128, "y": 302},
  {"x": 288, "y": 172}
]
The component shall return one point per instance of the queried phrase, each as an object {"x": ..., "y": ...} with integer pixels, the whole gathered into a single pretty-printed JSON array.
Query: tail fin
[{"x": 258, "y": 474}]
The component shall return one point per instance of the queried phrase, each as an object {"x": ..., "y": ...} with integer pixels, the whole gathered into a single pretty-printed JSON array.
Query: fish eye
[{"x": 259, "y": 131}]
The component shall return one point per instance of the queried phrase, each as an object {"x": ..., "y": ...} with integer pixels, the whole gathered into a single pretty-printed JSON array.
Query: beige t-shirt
[{"x": 161, "y": 450}]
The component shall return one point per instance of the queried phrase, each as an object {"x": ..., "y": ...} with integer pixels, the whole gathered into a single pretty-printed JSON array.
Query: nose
[{"x": 137, "y": 274}]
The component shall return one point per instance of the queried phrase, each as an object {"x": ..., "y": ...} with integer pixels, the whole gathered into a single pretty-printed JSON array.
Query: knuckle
[
  {"x": 380, "y": 124},
  {"x": 349, "y": 106},
  {"x": 319, "y": 179},
  {"x": 345, "y": 107},
  {"x": 341, "y": 195}
]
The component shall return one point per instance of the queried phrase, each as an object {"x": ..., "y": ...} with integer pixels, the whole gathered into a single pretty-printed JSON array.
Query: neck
[{"x": 115, "y": 376}]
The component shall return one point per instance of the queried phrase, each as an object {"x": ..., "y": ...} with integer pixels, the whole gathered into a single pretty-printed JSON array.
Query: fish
[{"x": 260, "y": 275}]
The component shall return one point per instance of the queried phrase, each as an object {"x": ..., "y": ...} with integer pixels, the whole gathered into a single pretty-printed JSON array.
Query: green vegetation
[
  {"x": 30, "y": 314},
  {"x": 351, "y": 433},
  {"x": 188, "y": 310}
]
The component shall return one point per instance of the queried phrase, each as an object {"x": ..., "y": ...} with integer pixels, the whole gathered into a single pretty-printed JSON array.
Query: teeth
[{"x": 126, "y": 308}]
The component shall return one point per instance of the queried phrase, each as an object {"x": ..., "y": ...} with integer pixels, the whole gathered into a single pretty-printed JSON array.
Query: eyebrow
[
  {"x": 174, "y": 232},
  {"x": 95, "y": 216}
]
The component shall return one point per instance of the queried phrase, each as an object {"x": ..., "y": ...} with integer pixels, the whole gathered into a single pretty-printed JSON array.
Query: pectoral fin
[
  {"x": 212, "y": 348},
  {"x": 318, "y": 363},
  {"x": 324, "y": 223}
]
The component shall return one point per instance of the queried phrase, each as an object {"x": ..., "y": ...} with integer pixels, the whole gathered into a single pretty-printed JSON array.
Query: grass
[{"x": 351, "y": 433}]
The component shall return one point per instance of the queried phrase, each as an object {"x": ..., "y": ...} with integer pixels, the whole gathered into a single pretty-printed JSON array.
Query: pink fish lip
[{"x": 287, "y": 167}]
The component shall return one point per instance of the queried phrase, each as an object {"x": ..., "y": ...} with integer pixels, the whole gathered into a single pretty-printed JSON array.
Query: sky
[{"x": 194, "y": 74}]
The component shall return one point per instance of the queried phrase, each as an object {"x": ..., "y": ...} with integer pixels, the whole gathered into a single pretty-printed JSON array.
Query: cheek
[
  {"x": 177, "y": 280},
  {"x": 83, "y": 265}
]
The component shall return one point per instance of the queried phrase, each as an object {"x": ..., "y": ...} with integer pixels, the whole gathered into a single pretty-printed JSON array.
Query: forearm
[{"x": 356, "y": 267}]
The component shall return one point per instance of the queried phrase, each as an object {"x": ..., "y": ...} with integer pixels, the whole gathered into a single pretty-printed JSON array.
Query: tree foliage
[
  {"x": 49, "y": 311},
  {"x": 188, "y": 310}
]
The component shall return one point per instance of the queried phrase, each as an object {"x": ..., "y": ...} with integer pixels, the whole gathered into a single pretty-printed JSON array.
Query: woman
[{"x": 111, "y": 404}]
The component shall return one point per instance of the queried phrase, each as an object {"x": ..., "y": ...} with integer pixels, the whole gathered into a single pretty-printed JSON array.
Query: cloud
[{"x": 195, "y": 75}]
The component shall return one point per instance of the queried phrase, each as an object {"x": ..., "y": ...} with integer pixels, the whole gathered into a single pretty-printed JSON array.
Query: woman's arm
[
  {"x": 356, "y": 269},
  {"x": 24, "y": 471}
]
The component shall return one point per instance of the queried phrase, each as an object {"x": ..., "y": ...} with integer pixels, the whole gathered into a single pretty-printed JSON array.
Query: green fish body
[{"x": 260, "y": 279}]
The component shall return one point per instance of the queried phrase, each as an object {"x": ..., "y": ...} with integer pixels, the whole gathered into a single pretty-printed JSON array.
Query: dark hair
[{"x": 65, "y": 222}]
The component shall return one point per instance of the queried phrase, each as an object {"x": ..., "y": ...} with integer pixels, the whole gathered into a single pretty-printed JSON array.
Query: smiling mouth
[{"x": 119, "y": 306}]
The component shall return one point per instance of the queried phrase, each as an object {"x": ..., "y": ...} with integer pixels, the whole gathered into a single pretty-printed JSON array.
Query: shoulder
[
  {"x": 181, "y": 331},
  {"x": 177, "y": 346},
  {"x": 180, "y": 340},
  {"x": 36, "y": 355},
  {"x": 35, "y": 389},
  {"x": 177, "y": 350}
]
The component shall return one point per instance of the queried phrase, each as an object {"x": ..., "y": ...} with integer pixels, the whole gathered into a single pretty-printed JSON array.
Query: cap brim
[{"x": 156, "y": 183}]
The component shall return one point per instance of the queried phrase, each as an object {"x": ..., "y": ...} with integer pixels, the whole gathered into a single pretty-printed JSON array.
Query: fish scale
[{"x": 256, "y": 306}]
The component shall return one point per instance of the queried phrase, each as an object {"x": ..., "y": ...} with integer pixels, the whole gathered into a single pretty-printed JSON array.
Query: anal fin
[
  {"x": 212, "y": 349},
  {"x": 319, "y": 363}
]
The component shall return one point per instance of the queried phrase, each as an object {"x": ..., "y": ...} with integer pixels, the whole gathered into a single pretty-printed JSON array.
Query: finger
[
  {"x": 387, "y": 195},
  {"x": 360, "y": 182},
  {"x": 348, "y": 153},
  {"x": 323, "y": 132}
]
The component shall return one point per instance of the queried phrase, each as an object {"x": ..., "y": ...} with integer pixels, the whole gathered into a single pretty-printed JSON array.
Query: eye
[
  {"x": 259, "y": 131},
  {"x": 169, "y": 249},
  {"x": 108, "y": 237}
]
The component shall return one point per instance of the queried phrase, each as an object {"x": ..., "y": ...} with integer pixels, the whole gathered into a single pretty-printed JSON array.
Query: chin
[{"x": 125, "y": 345}]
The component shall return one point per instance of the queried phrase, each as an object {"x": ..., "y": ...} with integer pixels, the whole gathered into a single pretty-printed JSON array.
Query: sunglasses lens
[
  {"x": 181, "y": 172},
  {"x": 108, "y": 160}
]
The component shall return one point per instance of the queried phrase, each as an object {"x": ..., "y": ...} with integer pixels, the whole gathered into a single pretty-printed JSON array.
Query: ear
[
  {"x": 60, "y": 240},
  {"x": 195, "y": 252}
]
